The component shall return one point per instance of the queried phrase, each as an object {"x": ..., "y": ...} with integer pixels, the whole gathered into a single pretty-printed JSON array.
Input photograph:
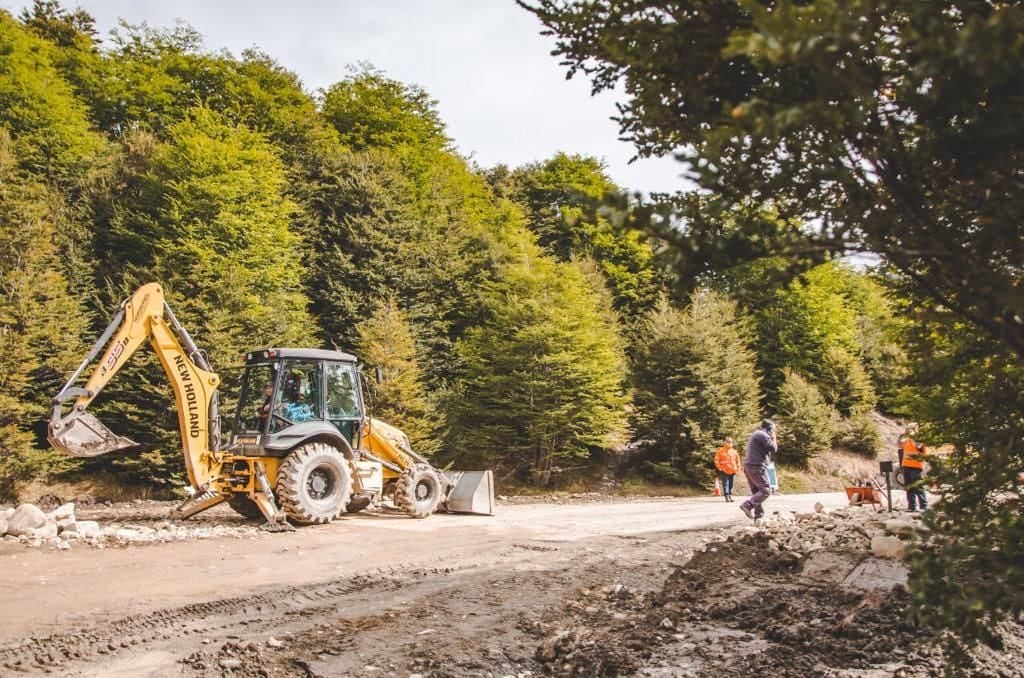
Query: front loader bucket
[
  {"x": 471, "y": 492},
  {"x": 86, "y": 436}
]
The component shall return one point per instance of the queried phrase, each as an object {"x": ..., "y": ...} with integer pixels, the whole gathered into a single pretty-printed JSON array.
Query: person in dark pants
[
  {"x": 910, "y": 454},
  {"x": 727, "y": 463},
  {"x": 761, "y": 449}
]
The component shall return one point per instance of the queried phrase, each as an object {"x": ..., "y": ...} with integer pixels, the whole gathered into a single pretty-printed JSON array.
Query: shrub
[
  {"x": 807, "y": 423},
  {"x": 695, "y": 381},
  {"x": 860, "y": 434}
]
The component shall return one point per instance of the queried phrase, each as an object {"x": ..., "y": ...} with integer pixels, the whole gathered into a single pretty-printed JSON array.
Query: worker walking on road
[
  {"x": 910, "y": 454},
  {"x": 727, "y": 463},
  {"x": 761, "y": 449}
]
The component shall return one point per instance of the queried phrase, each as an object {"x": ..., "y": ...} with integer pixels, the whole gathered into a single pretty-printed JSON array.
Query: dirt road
[{"x": 450, "y": 595}]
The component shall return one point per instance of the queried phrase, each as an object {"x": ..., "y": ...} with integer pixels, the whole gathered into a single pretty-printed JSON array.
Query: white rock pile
[
  {"x": 60, "y": 529},
  {"x": 851, "y": 546},
  {"x": 884, "y": 535}
]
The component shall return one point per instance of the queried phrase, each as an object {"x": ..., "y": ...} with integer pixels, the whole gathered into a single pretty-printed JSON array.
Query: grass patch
[
  {"x": 634, "y": 486},
  {"x": 99, "y": 487}
]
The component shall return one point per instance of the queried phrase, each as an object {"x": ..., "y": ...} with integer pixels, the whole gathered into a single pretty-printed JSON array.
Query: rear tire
[
  {"x": 418, "y": 491},
  {"x": 314, "y": 484},
  {"x": 245, "y": 507}
]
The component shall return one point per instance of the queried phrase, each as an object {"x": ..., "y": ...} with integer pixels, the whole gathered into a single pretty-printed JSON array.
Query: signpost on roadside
[{"x": 886, "y": 468}]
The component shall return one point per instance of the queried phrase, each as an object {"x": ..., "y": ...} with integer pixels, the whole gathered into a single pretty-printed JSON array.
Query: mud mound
[
  {"x": 810, "y": 627},
  {"x": 738, "y": 598}
]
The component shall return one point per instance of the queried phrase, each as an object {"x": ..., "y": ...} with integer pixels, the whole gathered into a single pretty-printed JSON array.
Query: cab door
[{"x": 343, "y": 403}]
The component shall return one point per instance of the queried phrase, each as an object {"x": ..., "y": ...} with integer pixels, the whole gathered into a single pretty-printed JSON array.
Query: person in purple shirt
[{"x": 761, "y": 449}]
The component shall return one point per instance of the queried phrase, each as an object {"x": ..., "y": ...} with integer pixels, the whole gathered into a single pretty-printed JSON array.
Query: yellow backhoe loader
[{"x": 301, "y": 445}]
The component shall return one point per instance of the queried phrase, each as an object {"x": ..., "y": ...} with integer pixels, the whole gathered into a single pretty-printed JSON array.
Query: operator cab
[{"x": 285, "y": 392}]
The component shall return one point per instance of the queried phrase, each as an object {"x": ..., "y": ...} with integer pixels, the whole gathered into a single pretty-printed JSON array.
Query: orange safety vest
[
  {"x": 727, "y": 460},
  {"x": 910, "y": 455}
]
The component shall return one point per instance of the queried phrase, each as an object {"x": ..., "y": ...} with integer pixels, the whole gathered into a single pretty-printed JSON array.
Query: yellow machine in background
[{"x": 301, "y": 445}]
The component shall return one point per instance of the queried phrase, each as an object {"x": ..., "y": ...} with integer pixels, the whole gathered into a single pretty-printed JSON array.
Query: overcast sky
[{"x": 503, "y": 96}]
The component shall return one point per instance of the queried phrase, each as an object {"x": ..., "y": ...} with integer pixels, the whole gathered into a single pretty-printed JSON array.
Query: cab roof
[{"x": 268, "y": 354}]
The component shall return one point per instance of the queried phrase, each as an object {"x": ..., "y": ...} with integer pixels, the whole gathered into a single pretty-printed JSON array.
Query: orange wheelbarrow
[{"x": 866, "y": 494}]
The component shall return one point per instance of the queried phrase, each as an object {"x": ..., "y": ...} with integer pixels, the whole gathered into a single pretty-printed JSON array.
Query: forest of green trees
[
  {"x": 516, "y": 328},
  {"x": 519, "y": 324}
]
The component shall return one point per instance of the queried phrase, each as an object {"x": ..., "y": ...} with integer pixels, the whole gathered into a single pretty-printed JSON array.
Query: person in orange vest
[
  {"x": 727, "y": 462},
  {"x": 910, "y": 454}
]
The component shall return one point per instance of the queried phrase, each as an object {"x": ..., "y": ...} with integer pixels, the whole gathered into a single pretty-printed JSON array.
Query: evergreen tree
[
  {"x": 209, "y": 221},
  {"x": 42, "y": 325},
  {"x": 221, "y": 238},
  {"x": 404, "y": 218},
  {"x": 859, "y": 434},
  {"x": 541, "y": 379},
  {"x": 695, "y": 382},
  {"x": 53, "y": 140},
  {"x": 370, "y": 110},
  {"x": 386, "y": 341},
  {"x": 559, "y": 196},
  {"x": 845, "y": 383},
  {"x": 972, "y": 560},
  {"x": 48, "y": 125},
  {"x": 807, "y": 424},
  {"x": 828, "y": 324}
]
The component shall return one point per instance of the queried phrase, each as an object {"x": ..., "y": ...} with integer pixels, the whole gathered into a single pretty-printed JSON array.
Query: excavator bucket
[
  {"x": 86, "y": 436},
  {"x": 471, "y": 492}
]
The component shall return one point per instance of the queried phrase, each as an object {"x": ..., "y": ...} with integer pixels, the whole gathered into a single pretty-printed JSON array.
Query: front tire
[
  {"x": 418, "y": 491},
  {"x": 314, "y": 484}
]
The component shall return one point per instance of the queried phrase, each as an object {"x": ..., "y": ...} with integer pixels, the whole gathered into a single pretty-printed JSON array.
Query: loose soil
[{"x": 580, "y": 589}]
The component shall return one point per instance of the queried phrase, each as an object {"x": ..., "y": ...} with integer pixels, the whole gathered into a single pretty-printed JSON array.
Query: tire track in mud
[{"x": 87, "y": 640}]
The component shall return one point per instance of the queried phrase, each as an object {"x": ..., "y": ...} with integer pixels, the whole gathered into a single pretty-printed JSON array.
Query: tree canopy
[
  {"x": 695, "y": 382},
  {"x": 884, "y": 127},
  {"x": 541, "y": 379}
]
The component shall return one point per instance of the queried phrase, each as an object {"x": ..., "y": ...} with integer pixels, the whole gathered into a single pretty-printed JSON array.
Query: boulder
[
  {"x": 785, "y": 517},
  {"x": 127, "y": 534},
  {"x": 26, "y": 517},
  {"x": 3, "y": 526},
  {"x": 63, "y": 512},
  {"x": 888, "y": 547},
  {"x": 47, "y": 531},
  {"x": 900, "y": 527},
  {"x": 876, "y": 574},
  {"x": 828, "y": 566},
  {"x": 66, "y": 524},
  {"x": 819, "y": 507},
  {"x": 87, "y": 529}
]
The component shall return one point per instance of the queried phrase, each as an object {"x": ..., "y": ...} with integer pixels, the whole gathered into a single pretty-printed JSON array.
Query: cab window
[
  {"x": 254, "y": 408},
  {"x": 299, "y": 396},
  {"x": 342, "y": 397}
]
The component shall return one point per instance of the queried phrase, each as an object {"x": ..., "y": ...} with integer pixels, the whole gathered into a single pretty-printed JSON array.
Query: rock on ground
[{"x": 25, "y": 518}]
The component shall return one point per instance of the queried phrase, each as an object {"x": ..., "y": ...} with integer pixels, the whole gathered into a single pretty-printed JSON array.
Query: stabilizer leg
[
  {"x": 276, "y": 519},
  {"x": 198, "y": 503}
]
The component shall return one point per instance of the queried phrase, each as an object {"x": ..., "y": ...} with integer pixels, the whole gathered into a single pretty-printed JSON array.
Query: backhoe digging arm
[{"x": 144, "y": 315}]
